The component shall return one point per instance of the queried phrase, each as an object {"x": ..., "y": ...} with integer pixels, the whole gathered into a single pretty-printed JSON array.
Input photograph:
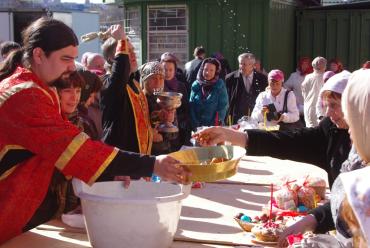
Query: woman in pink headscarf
[{"x": 279, "y": 103}]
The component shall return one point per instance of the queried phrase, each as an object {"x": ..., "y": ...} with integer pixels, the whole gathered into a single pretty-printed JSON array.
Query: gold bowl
[{"x": 197, "y": 161}]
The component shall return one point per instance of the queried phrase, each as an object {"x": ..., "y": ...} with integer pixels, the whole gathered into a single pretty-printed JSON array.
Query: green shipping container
[
  {"x": 335, "y": 33},
  {"x": 263, "y": 27}
]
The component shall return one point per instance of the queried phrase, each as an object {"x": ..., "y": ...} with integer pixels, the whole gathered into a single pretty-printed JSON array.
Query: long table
[{"x": 207, "y": 214}]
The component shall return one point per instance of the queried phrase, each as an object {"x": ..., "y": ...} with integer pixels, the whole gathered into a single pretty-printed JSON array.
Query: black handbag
[{"x": 289, "y": 126}]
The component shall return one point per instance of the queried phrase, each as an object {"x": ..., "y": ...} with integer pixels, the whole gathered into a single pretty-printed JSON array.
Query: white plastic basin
[{"x": 144, "y": 215}]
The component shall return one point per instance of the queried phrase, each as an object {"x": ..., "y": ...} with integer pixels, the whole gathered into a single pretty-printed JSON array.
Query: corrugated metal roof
[
  {"x": 349, "y": 5},
  {"x": 310, "y": 2},
  {"x": 332, "y": 2}
]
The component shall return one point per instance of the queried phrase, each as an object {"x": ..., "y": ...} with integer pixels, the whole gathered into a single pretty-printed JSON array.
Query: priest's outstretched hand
[{"x": 169, "y": 169}]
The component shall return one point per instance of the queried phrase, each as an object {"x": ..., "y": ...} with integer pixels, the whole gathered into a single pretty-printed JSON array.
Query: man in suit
[
  {"x": 243, "y": 87},
  {"x": 192, "y": 67}
]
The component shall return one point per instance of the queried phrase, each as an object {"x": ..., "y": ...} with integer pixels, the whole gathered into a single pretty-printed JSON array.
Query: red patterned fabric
[
  {"x": 31, "y": 121},
  {"x": 142, "y": 123}
]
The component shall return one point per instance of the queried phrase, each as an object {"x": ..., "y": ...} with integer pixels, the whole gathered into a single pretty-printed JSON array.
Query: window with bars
[{"x": 168, "y": 32}]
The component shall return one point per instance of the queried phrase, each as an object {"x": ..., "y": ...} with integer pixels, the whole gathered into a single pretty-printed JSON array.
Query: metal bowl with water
[{"x": 169, "y": 100}]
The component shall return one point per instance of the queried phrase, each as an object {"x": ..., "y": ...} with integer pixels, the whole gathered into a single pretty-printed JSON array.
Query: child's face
[
  {"x": 155, "y": 83},
  {"x": 69, "y": 99}
]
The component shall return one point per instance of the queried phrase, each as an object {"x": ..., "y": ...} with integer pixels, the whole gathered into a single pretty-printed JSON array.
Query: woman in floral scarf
[{"x": 208, "y": 98}]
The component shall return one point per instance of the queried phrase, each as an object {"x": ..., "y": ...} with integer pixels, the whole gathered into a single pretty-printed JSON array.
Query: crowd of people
[
  {"x": 98, "y": 119},
  {"x": 339, "y": 145}
]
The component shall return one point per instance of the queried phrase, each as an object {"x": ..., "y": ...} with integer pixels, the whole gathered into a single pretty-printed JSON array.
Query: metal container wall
[
  {"x": 263, "y": 27},
  {"x": 232, "y": 27},
  {"x": 343, "y": 34},
  {"x": 281, "y": 39}
]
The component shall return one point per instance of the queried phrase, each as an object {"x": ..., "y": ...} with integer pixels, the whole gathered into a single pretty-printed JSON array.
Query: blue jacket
[{"x": 203, "y": 111}]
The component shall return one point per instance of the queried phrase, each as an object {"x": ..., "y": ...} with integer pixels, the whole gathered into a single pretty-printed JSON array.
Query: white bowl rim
[{"x": 185, "y": 190}]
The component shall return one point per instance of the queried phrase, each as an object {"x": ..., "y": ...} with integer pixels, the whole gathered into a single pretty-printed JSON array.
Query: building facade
[{"x": 263, "y": 27}]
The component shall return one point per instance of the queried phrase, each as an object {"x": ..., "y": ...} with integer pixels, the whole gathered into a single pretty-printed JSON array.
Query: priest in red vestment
[{"x": 35, "y": 140}]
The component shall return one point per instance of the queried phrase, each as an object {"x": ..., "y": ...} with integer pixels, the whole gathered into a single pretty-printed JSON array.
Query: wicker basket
[{"x": 246, "y": 226}]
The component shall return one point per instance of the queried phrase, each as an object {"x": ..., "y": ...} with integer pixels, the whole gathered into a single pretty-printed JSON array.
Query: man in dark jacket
[
  {"x": 192, "y": 67},
  {"x": 243, "y": 87}
]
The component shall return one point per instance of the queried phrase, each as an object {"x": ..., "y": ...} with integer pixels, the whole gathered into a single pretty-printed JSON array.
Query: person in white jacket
[
  {"x": 275, "y": 95},
  {"x": 296, "y": 79},
  {"x": 311, "y": 87}
]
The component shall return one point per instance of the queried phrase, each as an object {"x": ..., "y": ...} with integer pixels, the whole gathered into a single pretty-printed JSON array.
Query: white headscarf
[
  {"x": 357, "y": 187},
  {"x": 356, "y": 109},
  {"x": 337, "y": 83}
]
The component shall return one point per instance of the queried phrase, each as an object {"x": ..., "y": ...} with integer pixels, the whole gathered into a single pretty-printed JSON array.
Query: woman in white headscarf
[
  {"x": 356, "y": 206},
  {"x": 356, "y": 108},
  {"x": 350, "y": 197}
]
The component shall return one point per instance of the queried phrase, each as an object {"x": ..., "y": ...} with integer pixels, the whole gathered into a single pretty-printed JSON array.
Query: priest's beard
[{"x": 64, "y": 76}]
